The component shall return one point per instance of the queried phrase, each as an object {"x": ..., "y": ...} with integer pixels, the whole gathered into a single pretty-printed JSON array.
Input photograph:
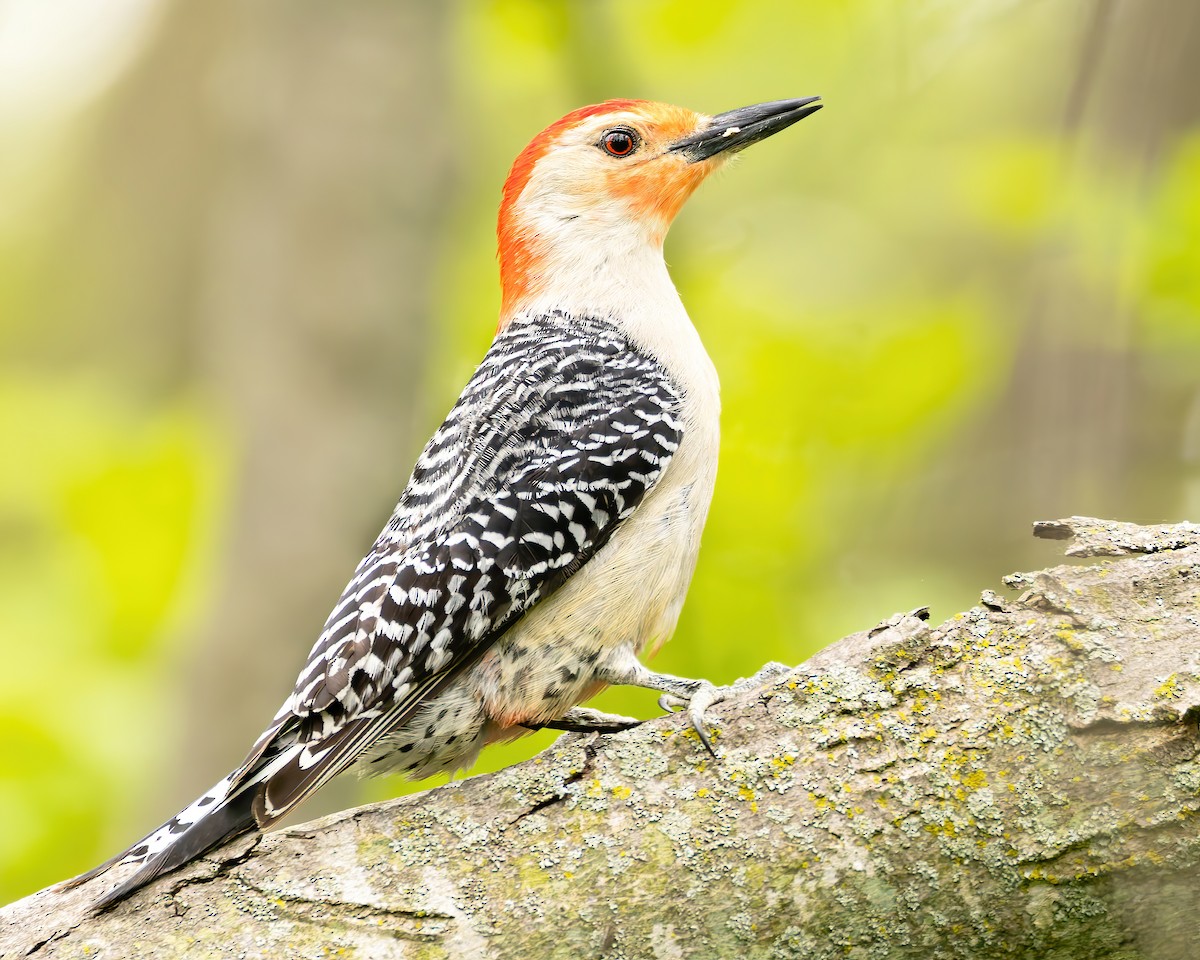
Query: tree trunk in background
[
  {"x": 1067, "y": 433},
  {"x": 280, "y": 169},
  {"x": 1078, "y": 436},
  {"x": 1022, "y": 782}
]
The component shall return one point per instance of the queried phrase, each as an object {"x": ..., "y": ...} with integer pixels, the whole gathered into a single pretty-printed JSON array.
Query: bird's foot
[
  {"x": 696, "y": 701},
  {"x": 696, "y": 696},
  {"x": 586, "y": 720}
]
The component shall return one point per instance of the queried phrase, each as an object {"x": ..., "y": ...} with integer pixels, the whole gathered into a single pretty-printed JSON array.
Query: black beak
[{"x": 737, "y": 129}]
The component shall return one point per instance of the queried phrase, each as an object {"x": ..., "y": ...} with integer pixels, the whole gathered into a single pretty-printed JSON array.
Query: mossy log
[{"x": 1020, "y": 781}]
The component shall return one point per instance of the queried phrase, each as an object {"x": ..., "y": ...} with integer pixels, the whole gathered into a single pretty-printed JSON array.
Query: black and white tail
[{"x": 211, "y": 820}]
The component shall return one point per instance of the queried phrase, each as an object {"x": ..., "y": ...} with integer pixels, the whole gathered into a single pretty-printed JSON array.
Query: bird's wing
[{"x": 559, "y": 435}]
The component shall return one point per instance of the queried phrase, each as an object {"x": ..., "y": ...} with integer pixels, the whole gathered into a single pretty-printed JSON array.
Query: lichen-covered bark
[{"x": 1021, "y": 781}]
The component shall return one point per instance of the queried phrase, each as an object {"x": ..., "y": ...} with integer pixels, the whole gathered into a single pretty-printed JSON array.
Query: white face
[
  {"x": 589, "y": 201},
  {"x": 571, "y": 182},
  {"x": 615, "y": 174}
]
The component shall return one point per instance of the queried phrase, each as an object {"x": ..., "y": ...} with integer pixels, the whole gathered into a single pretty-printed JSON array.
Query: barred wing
[{"x": 557, "y": 439}]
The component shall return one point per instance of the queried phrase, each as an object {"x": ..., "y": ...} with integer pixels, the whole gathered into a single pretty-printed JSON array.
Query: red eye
[{"x": 619, "y": 142}]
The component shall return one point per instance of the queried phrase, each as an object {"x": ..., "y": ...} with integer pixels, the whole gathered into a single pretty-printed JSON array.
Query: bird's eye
[{"x": 619, "y": 142}]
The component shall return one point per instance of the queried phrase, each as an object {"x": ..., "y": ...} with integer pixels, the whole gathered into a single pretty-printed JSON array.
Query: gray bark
[{"x": 1020, "y": 781}]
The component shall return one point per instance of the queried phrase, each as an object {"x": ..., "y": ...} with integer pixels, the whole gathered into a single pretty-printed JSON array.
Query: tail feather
[
  {"x": 211, "y": 820},
  {"x": 224, "y": 823}
]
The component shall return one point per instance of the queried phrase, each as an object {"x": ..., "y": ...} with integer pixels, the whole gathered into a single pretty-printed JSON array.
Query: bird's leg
[
  {"x": 586, "y": 720},
  {"x": 698, "y": 695}
]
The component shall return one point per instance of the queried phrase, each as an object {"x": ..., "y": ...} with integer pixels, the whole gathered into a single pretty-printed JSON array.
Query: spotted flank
[{"x": 555, "y": 441}]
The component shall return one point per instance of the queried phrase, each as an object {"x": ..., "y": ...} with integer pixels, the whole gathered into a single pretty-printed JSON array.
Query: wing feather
[{"x": 558, "y": 437}]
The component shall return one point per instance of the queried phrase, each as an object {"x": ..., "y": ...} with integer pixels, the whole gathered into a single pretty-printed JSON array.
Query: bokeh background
[{"x": 246, "y": 262}]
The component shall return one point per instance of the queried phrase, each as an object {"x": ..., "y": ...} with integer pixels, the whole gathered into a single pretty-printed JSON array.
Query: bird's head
[{"x": 612, "y": 177}]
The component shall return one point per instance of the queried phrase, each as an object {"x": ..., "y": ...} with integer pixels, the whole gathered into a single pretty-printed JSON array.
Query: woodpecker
[{"x": 549, "y": 530}]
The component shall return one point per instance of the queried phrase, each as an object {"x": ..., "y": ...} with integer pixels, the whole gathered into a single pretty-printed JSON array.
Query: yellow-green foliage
[{"x": 106, "y": 516}]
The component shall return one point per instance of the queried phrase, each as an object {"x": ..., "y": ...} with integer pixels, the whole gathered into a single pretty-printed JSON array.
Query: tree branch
[{"x": 1020, "y": 781}]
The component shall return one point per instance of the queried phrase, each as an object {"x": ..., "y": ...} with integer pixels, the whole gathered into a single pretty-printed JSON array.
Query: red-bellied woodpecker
[{"x": 550, "y": 528}]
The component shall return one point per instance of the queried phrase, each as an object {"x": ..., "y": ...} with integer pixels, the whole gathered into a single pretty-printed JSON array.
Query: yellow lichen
[{"x": 975, "y": 780}]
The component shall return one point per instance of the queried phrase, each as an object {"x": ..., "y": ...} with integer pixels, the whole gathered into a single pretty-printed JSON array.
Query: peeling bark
[{"x": 1020, "y": 781}]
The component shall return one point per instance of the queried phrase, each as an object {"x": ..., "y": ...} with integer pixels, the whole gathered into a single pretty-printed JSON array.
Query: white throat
[{"x": 628, "y": 284}]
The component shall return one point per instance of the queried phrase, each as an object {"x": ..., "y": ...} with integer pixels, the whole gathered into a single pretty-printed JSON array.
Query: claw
[
  {"x": 585, "y": 720},
  {"x": 669, "y": 703},
  {"x": 704, "y": 697}
]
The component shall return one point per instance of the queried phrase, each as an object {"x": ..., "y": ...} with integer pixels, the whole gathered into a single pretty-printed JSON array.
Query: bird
[{"x": 546, "y": 538}]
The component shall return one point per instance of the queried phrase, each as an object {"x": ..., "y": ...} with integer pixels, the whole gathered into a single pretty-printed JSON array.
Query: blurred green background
[{"x": 246, "y": 263}]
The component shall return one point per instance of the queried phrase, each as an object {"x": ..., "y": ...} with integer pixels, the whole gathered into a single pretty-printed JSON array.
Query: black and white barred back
[{"x": 559, "y": 435}]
